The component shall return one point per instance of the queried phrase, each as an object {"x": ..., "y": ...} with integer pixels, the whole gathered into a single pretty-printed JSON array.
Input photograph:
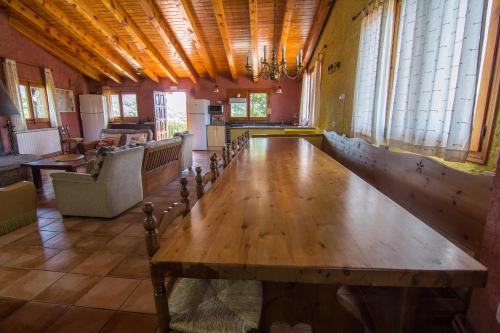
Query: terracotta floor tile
[
  {"x": 129, "y": 218},
  {"x": 141, "y": 299},
  {"x": 64, "y": 261},
  {"x": 49, "y": 213},
  {"x": 32, "y": 257},
  {"x": 9, "y": 305},
  {"x": 92, "y": 242},
  {"x": 32, "y": 317},
  {"x": 124, "y": 244},
  {"x": 124, "y": 322},
  {"x": 134, "y": 230},
  {"x": 112, "y": 228},
  {"x": 81, "y": 320},
  {"x": 34, "y": 238},
  {"x": 9, "y": 275},
  {"x": 99, "y": 263},
  {"x": 59, "y": 225},
  {"x": 30, "y": 284},
  {"x": 64, "y": 240},
  {"x": 109, "y": 293},
  {"x": 68, "y": 289},
  {"x": 88, "y": 226},
  {"x": 14, "y": 235},
  {"x": 42, "y": 222},
  {"x": 9, "y": 253},
  {"x": 133, "y": 266}
]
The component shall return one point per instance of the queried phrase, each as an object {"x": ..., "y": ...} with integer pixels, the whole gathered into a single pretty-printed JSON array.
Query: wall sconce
[
  {"x": 216, "y": 89},
  {"x": 332, "y": 68},
  {"x": 279, "y": 90}
]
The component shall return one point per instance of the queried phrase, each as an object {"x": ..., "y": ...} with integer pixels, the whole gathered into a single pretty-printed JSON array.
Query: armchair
[
  {"x": 116, "y": 188},
  {"x": 18, "y": 206}
]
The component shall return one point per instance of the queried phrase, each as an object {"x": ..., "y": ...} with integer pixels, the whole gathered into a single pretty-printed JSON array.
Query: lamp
[
  {"x": 216, "y": 89},
  {"x": 7, "y": 108}
]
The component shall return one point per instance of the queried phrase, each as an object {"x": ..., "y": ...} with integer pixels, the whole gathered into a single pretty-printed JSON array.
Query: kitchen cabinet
[{"x": 216, "y": 137}]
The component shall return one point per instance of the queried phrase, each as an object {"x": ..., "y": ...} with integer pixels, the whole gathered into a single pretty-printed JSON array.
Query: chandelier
[{"x": 275, "y": 70}]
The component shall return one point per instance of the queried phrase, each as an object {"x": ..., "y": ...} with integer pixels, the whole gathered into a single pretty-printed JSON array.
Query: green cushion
[{"x": 215, "y": 306}]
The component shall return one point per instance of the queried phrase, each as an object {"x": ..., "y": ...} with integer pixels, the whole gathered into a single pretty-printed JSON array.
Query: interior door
[{"x": 160, "y": 106}]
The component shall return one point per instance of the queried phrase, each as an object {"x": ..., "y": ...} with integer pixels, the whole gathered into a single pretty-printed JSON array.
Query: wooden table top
[
  {"x": 285, "y": 211},
  {"x": 51, "y": 162}
]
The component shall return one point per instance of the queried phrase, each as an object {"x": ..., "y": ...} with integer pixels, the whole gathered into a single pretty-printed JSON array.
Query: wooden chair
[
  {"x": 66, "y": 139},
  {"x": 178, "y": 302}
]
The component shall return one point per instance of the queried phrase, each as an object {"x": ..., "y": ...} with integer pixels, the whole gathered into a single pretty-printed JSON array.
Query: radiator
[{"x": 39, "y": 142}]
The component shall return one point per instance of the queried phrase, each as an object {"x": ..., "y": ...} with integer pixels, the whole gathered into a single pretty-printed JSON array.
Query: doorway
[{"x": 176, "y": 112}]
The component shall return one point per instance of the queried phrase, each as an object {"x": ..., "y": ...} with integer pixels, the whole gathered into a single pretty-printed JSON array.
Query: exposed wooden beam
[
  {"x": 42, "y": 25},
  {"x": 119, "y": 13},
  {"x": 157, "y": 20},
  {"x": 287, "y": 22},
  {"x": 86, "y": 12},
  {"x": 70, "y": 59},
  {"x": 254, "y": 38},
  {"x": 319, "y": 21},
  {"x": 198, "y": 38},
  {"x": 222, "y": 23},
  {"x": 86, "y": 39}
]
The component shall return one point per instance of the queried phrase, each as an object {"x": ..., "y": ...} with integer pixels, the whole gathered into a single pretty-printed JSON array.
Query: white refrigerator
[
  {"x": 94, "y": 115},
  {"x": 198, "y": 119}
]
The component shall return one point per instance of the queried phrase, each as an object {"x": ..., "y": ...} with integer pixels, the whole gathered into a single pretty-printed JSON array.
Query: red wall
[
  {"x": 283, "y": 106},
  {"x": 30, "y": 62},
  {"x": 485, "y": 300}
]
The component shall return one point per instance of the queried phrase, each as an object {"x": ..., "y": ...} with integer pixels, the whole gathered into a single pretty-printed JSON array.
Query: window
[
  {"x": 123, "y": 105},
  {"x": 34, "y": 102},
  {"x": 249, "y": 105},
  {"x": 421, "y": 96}
]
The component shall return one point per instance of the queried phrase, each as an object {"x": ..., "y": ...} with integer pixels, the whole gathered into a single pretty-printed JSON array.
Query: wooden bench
[{"x": 161, "y": 163}]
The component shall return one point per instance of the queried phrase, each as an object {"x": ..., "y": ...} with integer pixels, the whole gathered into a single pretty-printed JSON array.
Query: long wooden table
[{"x": 285, "y": 211}]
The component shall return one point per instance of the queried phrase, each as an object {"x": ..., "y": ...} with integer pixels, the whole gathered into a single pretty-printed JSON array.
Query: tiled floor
[{"x": 76, "y": 274}]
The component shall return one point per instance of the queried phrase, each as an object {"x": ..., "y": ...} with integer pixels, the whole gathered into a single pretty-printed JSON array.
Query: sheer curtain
[
  {"x": 315, "y": 94},
  {"x": 106, "y": 92},
  {"x": 304, "y": 100},
  {"x": 372, "y": 75},
  {"x": 435, "y": 77},
  {"x": 54, "y": 116},
  {"x": 12, "y": 85}
]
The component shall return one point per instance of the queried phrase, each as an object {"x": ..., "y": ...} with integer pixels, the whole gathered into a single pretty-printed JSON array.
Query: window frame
[
  {"x": 246, "y": 94},
  {"x": 34, "y": 119},
  {"x": 120, "y": 102}
]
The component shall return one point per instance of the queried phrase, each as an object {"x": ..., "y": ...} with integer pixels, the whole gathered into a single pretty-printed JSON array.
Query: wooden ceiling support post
[{"x": 220, "y": 16}]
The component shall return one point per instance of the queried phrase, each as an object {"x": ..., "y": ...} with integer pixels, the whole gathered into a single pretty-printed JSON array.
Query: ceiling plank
[
  {"x": 157, "y": 20},
  {"x": 42, "y": 25},
  {"x": 254, "y": 38},
  {"x": 133, "y": 30},
  {"x": 222, "y": 23},
  {"x": 87, "y": 40},
  {"x": 287, "y": 22},
  {"x": 86, "y": 12},
  {"x": 319, "y": 21},
  {"x": 197, "y": 38},
  {"x": 70, "y": 59}
]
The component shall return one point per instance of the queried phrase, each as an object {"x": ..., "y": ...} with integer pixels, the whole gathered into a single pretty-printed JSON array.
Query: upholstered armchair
[
  {"x": 18, "y": 206},
  {"x": 116, "y": 188}
]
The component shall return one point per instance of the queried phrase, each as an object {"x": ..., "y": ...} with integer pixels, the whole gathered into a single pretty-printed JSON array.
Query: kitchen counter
[{"x": 281, "y": 130}]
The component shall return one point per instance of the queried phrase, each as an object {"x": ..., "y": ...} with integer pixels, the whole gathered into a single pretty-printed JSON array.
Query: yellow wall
[{"x": 341, "y": 35}]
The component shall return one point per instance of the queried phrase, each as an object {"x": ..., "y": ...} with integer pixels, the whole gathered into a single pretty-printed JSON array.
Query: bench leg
[
  {"x": 409, "y": 301},
  {"x": 160, "y": 296}
]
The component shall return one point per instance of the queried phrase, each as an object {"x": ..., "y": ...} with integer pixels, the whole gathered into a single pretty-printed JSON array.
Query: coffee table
[{"x": 51, "y": 164}]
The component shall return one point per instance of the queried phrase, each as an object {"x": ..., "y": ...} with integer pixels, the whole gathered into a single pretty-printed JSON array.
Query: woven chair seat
[{"x": 215, "y": 306}]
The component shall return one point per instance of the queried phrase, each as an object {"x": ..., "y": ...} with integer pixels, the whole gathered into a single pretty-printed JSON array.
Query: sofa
[
  {"x": 18, "y": 206},
  {"x": 115, "y": 187},
  {"x": 90, "y": 147}
]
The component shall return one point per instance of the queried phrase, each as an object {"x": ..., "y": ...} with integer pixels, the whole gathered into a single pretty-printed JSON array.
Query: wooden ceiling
[{"x": 119, "y": 39}]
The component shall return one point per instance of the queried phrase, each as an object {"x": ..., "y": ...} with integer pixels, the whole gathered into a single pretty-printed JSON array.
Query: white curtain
[
  {"x": 304, "y": 100},
  {"x": 315, "y": 94},
  {"x": 435, "y": 77},
  {"x": 54, "y": 116},
  {"x": 372, "y": 75},
  {"x": 106, "y": 92},
  {"x": 12, "y": 85}
]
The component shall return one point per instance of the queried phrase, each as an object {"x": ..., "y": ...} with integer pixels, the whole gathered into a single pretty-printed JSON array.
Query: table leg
[
  {"x": 409, "y": 302},
  {"x": 37, "y": 177}
]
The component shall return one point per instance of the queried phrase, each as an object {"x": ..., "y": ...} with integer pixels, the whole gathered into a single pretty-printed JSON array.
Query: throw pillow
[
  {"x": 97, "y": 165},
  {"x": 109, "y": 140},
  {"x": 137, "y": 138}
]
